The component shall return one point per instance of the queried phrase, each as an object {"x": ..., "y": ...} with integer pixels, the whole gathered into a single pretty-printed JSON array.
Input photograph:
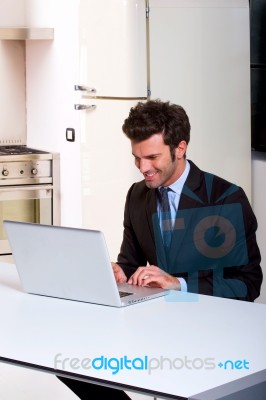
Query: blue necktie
[{"x": 166, "y": 216}]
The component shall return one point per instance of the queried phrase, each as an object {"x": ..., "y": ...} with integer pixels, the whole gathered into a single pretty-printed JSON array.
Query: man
[
  {"x": 183, "y": 229},
  {"x": 213, "y": 225}
]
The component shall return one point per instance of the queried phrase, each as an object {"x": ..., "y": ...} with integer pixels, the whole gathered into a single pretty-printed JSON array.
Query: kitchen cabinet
[{"x": 26, "y": 33}]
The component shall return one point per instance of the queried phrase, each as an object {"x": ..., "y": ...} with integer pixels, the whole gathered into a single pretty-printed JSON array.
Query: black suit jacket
[{"x": 234, "y": 272}]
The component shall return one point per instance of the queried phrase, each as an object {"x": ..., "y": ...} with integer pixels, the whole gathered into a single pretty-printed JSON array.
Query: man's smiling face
[{"x": 154, "y": 160}]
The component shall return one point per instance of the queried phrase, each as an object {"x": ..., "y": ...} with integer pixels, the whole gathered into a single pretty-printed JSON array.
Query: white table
[{"x": 181, "y": 339}]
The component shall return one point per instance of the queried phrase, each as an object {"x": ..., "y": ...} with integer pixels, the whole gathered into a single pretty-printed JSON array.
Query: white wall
[
  {"x": 12, "y": 13},
  {"x": 258, "y": 203},
  {"x": 200, "y": 60}
]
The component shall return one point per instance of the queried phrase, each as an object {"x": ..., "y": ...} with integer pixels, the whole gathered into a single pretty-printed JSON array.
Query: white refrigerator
[{"x": 113, "y": 77}]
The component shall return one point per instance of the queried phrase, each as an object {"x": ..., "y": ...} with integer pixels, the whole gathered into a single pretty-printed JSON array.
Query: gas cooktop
[{"x": 19, "y": 150}]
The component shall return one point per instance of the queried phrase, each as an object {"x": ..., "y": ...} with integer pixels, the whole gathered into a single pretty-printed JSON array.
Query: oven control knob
[
  {"x": 34, "y": 171},
  {"x": 5, "y": 172}
]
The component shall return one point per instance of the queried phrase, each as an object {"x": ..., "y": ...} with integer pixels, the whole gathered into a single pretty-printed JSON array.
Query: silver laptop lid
[
  {"x": 69, "y": 263},
  {"x": 63, "y": 262}
]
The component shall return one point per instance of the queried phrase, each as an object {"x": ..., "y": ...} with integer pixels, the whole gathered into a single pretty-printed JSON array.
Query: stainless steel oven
[{"x": 29, "y": 188}]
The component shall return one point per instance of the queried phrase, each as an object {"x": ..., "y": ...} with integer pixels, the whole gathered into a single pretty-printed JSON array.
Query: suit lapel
[
  {"x": 189, "y": 200},
  {"x": 151, "y": 210}
]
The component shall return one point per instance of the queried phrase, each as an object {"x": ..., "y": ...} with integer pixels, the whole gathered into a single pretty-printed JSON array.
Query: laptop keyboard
[{"x": 124, "y": 294}]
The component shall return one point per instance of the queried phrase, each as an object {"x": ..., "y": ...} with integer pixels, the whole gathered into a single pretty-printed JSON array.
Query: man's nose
[{"x": 144, "y": 165}]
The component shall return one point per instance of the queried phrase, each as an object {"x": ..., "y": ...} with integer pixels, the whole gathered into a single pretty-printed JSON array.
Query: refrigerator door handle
[
  {"x": 85, "y": 88},
  {"x": 84, "y": 107}
]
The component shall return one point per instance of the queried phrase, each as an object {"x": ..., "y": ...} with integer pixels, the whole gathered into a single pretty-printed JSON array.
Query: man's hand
[
  {"x": 119, "y": 274},
  {"x": 155, "y": 277}
]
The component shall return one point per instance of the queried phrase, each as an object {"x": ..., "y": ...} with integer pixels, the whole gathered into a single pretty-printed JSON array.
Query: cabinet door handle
[
  {"x": 85, "y": 107},
  {"x": 85, "y": 88}
]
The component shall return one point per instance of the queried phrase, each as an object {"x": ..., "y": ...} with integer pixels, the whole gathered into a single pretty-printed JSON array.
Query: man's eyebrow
[{"x": 148, "y": 155}]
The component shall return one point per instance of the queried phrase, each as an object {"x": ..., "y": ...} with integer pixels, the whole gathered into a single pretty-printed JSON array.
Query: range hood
[{"x": 26, "y": 33}]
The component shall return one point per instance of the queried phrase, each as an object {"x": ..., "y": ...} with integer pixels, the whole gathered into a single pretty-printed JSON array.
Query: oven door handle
[
  {"x": 25, "y": 187},
  {"x": 35, "y": 192}
]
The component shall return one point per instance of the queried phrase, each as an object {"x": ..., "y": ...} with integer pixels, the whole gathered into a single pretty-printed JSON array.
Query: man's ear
[{"x": 180, "y": 151}]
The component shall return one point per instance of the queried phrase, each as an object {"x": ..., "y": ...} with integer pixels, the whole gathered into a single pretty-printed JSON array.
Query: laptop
[{"x": 70, "y": 263}]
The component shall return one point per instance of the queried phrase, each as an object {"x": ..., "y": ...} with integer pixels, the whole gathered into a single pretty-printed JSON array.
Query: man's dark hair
[{"x": 155, "y": 116}]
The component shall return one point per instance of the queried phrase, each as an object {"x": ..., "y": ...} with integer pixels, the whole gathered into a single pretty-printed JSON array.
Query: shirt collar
[{"x": 177, "y": 186}]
